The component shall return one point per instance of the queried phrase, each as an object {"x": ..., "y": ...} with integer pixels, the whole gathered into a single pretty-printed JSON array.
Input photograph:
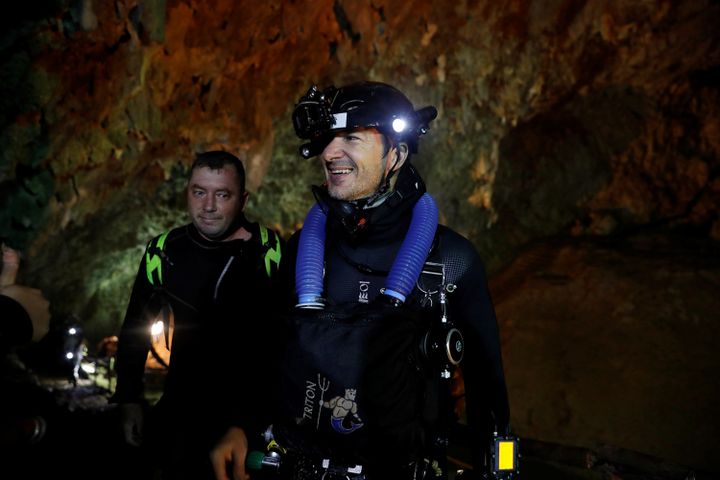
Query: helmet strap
[{"x": 382, "y": 192}]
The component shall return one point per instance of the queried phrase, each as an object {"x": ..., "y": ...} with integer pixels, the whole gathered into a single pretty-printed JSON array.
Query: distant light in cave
[{"x": 88, "y": 367}]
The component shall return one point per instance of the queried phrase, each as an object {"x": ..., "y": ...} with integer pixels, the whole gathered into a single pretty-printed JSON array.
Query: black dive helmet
[{"x": 319, "y": 114}]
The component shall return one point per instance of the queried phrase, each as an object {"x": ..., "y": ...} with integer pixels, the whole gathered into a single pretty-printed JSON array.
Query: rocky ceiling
[{"x": 558, "y": 119}]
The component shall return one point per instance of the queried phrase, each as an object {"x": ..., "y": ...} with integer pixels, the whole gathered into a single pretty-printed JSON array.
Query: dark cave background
[{"x": 577, "y": 146}]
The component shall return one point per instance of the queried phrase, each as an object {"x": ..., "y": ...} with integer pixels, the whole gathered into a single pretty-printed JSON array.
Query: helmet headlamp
[{"x": 398, "y": 125}]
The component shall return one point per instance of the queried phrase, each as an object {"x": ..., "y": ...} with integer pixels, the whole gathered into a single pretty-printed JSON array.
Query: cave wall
[
  {"x": 556, "y": 118},
  {"x": 559, "y": 121}
]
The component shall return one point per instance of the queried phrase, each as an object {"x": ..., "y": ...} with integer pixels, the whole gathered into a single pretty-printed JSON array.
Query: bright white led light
[
  {"x": 157, "y": 328},
  {"x": 399, "y": 125},
  {"x": 72, "y": 331},
  {"x": 69, "y": 355}
]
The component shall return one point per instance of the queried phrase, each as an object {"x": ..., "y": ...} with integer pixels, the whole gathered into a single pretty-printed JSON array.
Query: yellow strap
[
  {"x": 154, "y": 262},
  {"x": 272, "y": 254}
]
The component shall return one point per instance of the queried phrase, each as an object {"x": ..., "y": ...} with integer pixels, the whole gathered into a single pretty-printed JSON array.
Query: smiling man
[
  {"x": 385, "y": 305},
  {"x": 201, "y": 281},
  {"x": 352, "y": 171}
]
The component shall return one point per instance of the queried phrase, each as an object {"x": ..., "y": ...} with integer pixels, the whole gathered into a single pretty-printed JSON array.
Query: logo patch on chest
[{"x": 363, "y": 289}]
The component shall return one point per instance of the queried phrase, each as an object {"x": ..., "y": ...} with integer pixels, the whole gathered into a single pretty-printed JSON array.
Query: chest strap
[
  {"x": 272, "y": 254},
  {"x": 153, "y": 260}
]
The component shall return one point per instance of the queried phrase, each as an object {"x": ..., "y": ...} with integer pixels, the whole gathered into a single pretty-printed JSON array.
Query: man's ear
[
  {"x": 401, "y": 154},
  {"x": 244, "y": 199}
]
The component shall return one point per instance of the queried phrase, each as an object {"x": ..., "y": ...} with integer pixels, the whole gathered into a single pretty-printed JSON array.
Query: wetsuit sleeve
[
  {"x": 134, "y": 342},
  {"x": 485, "y": 389}
]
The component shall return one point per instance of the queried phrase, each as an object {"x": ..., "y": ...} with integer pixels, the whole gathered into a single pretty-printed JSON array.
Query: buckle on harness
[{"x": 443, "y": 344}]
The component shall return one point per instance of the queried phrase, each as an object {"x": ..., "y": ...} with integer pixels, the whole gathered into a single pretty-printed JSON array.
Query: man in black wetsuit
[
  {"x": 364, "y": 135},
  {"x": 211, "y": 283}
]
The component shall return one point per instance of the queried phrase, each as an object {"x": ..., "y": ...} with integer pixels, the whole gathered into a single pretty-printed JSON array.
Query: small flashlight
[{"x": 157, "y": 328}]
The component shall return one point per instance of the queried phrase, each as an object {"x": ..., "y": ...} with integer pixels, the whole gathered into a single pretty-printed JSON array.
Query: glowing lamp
[
  {"x": 157, "y": 328},
  {"x": 399, "y": 125}
]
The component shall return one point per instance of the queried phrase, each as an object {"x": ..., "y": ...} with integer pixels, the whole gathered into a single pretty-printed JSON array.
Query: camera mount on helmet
[{"x": 318, "y": 115}]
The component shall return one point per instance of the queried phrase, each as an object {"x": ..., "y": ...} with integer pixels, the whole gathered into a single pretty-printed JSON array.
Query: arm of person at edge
[
  {"x": 133, "y": 346},
  {"x": 486, "y": 398},
  {"x": 33, "y": 315},
  {"x": 26, "y": 311},
  {"x": 229, "y": 455}
]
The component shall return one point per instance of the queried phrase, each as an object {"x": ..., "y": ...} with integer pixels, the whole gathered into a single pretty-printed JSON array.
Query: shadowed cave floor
[{"x": 610, "y": 351}]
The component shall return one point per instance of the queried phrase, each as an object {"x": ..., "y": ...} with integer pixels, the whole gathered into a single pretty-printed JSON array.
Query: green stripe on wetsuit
[{"x": 153, "y": 263}]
